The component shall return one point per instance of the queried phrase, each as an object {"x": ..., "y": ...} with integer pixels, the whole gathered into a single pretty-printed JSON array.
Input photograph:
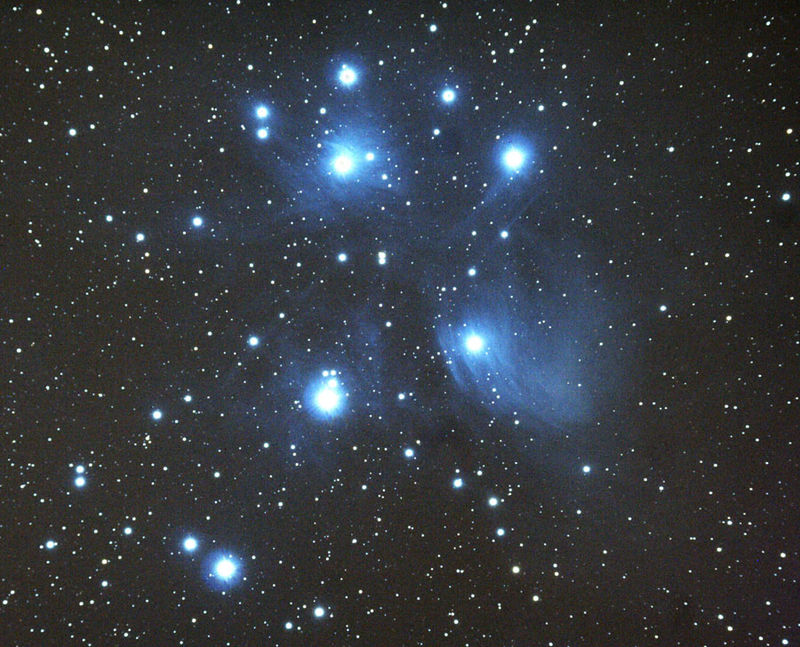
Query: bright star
[
  {"x": 327, "y": 399},
  {"x": 342, "y": 257},
  {"x": 472, "y": 271},
  {"x": 72, "y": 132},
  {"x": 504, "y": 234},
  {"x": 370, "y": 157},
  {"x": 586, "y": 469},
  {"x": 347, "y": 75},
  {"x": 262, "y": 112},
  {"x": 262, "y": 133},
  {"x": 786, "y": 197},
  {"x": 139, "y": 238},
  {"x": 288, "y": 626},
  {"x": 493, "y": 501},
  {"x": 80, "y": 469},
  {"x": 50, "y": 544},
  {"x": 662, "y": 308},
  {"x": 458, "y": 483},
  {"x": 409, "y": 453},
  {"x": 319, "y": 612},
  {"x": 187, "y": 398},
  {"x": 128, "y": 530},
  {"x": 433, "y": 28},
  {"x": 225, "y": 568},
  {"x": 500, "y": 532},
  {"x": 513, "y": 158},
  {"x": 343, "y": 164},
  {"x": 157, "y": 415},
  {"x": 190, "y": 544},
  {"x": 197, "y": 221},
  {"x": 253, "y": 341},
  {"x": 80, "y": 481},
  {"x": 475, "y": 343},
  {"x": 448, "y": 96}
]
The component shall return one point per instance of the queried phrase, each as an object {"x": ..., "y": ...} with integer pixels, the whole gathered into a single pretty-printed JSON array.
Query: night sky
[{"x": 459, "y": 323}]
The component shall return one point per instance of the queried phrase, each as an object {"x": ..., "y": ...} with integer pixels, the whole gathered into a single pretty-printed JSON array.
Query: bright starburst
[
  {"x": 513, "y": 158},
  {"x": 343, "y": 164},
  {"x": 475, "y": 343},
  {"x": 225, "y": 568},
  {"x": 347, "y": 75}
]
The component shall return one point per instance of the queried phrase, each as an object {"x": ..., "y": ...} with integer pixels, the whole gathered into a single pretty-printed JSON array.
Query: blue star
[
  {"x": 474, "y": 343},
  {"x": 262, "y": 133},
  {"x": 190, "y": 544},
  {"x": 225, "y": 568},
  {"x": 262, "y": 112},
  {"x": 328, "y": 395},
  {"x": 347, "y": 76},
  {"x": 513, "y": 158},
  {"x": 343, "y": 164},
  {"x": 448, "y": 95}
]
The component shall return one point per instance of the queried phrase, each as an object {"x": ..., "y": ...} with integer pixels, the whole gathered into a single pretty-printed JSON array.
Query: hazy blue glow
[{"x": 262, "y": 112}]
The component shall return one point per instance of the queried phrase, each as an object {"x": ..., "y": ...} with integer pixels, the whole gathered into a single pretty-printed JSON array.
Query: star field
[{"x": 400, "y": 324}]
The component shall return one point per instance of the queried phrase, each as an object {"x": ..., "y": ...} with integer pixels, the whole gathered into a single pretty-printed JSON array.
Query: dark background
[{"x": 654, "y": 176}]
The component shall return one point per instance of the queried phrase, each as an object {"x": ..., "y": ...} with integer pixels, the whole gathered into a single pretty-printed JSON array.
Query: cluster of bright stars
[{"x": 343, "y": 163}]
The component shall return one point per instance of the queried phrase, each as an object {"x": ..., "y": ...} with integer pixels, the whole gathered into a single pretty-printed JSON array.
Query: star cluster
[{"x": 464, "y": 324}]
